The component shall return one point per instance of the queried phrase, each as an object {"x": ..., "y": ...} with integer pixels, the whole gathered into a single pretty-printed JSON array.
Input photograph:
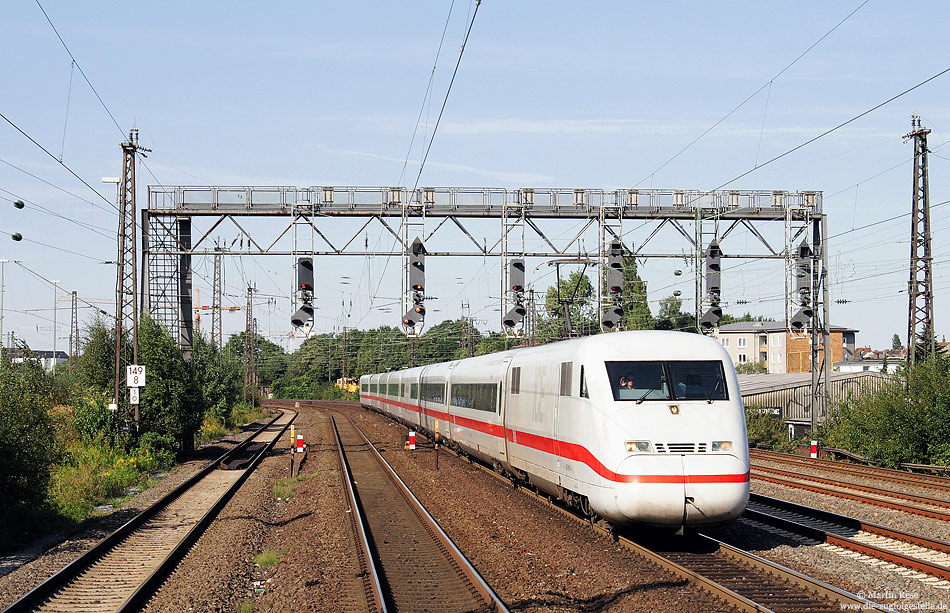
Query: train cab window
[
  {"x": 516, "y": 380},
  {"x": 701, "y": 380},
  {"x": 583, "y": 386},
  {"x": 414, "y": 391},
  {"x": 673, "y": 380}
]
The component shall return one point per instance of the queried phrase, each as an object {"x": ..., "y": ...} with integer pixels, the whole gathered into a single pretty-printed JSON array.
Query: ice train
[{"x": 640, "y": 427}]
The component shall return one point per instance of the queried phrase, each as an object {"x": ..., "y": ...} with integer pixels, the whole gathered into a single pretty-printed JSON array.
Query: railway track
[
  {"x": 123, "y": 570},
  {"x": 941, "y": 484},
  {"x": 744, "y": 580},
  {"x": 737, "y": 578},
  {"x": 410, "y": 563},
  {"x": 934, "y": 508},
  {"x": 929, "y": 557}
]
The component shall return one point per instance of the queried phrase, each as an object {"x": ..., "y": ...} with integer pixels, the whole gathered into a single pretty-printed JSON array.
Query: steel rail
[
  {"x": 887, "y": 474},
  {"x": 374, "y": 587},
  {"x": 494, "y": 602},
  {"x": 818, "y": 534},
  {"x": 724, "y": 594},
  {"x": 878, "y": 496},
  {"x": 48, "y": 588},
  {"x": 852, "y": 523}
]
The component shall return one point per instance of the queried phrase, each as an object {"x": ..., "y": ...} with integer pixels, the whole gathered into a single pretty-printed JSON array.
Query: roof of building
[{"x": 770, "y": 326}]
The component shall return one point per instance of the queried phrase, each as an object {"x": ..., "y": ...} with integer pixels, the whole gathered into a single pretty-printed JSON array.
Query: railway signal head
[
  {"x": 801, "y": 319},
  {"x": 302, "y": 316},
  {"x": 714, "y": 271},
  {"x": 613, "y": 311},
  {"x": 417, "y": 266},
  {"x": 803, "y": 269},
  {"x": 613, "y": 314},
  {"x": 305, "y": 275},
  {"x": 615, "y": 268},
  {"x": 710, "y": 318},
  {"x": 516, "y": 276},
  {"x": 514, "y": 316},
  {"x": 414, "y": 316}
]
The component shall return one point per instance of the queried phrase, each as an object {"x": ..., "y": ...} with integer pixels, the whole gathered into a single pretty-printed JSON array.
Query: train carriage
[{"x": 637, "y": 427}]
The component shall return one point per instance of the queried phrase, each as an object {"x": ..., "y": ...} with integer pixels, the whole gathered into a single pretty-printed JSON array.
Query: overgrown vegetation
[
  {"x": 63, "y": 452},
  {"x": 908, "y": 420},
  {"x": 285, "y": 488},
  {"x": 268, "y": 557},
  {"x": 767, "y": 431}
]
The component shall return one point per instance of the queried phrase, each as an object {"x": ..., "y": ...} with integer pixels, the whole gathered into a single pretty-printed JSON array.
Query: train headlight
[
  {"x": 722, "y": 445},
  {"x": 639, "y": 446}
]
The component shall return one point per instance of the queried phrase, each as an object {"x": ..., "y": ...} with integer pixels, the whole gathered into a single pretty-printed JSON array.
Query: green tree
[
  {"x": 170, "y": 400},
  {"x": 219, "y": 379},
  {"x": 96, "y": 368},
  {"x": 896, "y": 342},
  {"x": 907, "y": 420},
  {"x": 671, "y": 316},
  {"x": 27, "y": 442},
  {"x": 636, "y": 309},
  {"x": 573, "y": 297}
]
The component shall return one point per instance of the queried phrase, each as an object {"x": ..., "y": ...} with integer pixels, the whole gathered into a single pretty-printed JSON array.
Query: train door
[
  {"x": 565, "y": 426},
  {"x": 501, "y": 451}
]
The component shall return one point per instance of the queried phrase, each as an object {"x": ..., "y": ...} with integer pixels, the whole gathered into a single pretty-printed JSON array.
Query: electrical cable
[
  {"x": 58, "y": 161},
  {"x": 753, "y": 95}
]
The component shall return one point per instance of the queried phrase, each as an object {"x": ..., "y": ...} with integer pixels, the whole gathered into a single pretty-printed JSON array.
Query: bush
[
  {"x": 907, "y": 420},
  {"x": 27, "y": 438}
]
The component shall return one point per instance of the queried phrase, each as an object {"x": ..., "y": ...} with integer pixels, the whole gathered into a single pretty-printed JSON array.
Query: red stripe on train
[{"x": 566, "y": 450}]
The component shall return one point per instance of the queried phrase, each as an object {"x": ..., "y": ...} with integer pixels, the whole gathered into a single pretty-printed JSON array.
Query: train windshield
[{"x": 670, "y": 380}]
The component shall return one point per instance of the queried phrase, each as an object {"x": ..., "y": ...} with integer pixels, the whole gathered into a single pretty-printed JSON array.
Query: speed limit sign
[{"x": 135, "y": 375}]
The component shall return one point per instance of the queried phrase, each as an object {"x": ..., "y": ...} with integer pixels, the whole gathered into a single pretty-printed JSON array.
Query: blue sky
[{"x": 549, "y": 94}]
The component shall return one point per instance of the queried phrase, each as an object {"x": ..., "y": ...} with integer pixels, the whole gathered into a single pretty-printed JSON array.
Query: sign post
[
  {"x": 437, "y": 444},
  {"x": 134, "y": 379}
]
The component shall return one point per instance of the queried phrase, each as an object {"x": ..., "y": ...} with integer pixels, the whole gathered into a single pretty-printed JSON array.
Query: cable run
[
  {"x": 826, "y": 132},
  {"x": 753, "y": 95},
  {"x": 448, "y": 91},
  {"x": 58, "y": 161}
]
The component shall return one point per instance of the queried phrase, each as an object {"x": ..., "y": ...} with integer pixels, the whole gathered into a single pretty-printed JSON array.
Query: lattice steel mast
[
  {"x": 73, "y": 332},
  {"x": 126, "y": 299},
  {"x": 216, "y": 338},
  {"x": 920, "y": 316},
  {"x": 250, "y": 346}
]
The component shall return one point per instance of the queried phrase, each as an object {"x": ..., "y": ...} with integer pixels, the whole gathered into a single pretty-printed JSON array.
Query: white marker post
[{"x": 134, "y": 379}]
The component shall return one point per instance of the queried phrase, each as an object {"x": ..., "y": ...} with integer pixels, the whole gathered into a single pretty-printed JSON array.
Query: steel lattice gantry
[{"x": 696, "y": 216}]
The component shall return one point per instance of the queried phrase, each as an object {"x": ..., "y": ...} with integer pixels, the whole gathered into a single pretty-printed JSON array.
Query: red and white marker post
[
  {"x": 814, "y": 449},
  {"x": 412, "y": 441}
]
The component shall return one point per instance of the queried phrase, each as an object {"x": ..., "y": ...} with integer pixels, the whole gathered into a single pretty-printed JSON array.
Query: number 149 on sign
[{"x": 135, "y": 375}]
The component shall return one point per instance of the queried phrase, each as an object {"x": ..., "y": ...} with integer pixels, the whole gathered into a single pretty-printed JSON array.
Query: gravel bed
[
  {"x": 536, "y": 559},
  {"x": 908, "y": 522},
  {"x": 839, "y": 568},
  {"x": 849, "y": 479},
  {"x": 24, "y": 570}
]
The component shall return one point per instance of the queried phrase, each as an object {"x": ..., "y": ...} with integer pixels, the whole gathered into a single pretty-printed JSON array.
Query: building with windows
[
  {"x": 781, "y": 351},
  {"x": 44, "y": 358}
]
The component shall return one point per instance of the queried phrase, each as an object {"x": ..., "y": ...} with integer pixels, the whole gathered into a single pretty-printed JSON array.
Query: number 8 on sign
[{"x": 135, "y": 375}]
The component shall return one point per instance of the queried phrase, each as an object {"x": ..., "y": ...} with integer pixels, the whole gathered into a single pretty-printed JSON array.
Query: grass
[
  {"x": 95, "y": 473},
  {"x": 284, "y": 488},
  {"x": 243, "y": 413},
  {"x": 268, "y": 557},
  {"x": 244, "y": 607}
]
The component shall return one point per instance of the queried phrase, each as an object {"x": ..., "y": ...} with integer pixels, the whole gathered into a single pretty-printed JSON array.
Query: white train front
[{"x": 637, "y": 427}]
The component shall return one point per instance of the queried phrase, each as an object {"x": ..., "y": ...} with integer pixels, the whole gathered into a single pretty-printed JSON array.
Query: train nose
[{"x": 672, "y": 490}]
